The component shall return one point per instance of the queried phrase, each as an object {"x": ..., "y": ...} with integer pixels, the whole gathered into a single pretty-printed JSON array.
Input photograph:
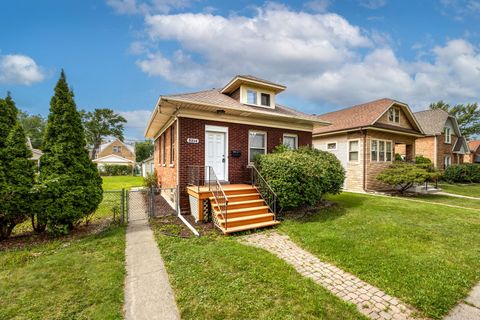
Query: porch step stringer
[{"x": 246, "y": 210}]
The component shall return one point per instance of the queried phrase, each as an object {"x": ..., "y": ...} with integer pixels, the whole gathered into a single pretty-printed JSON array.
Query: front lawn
[
  {"x": 427, "y": 255},
  {"x": 120, "y": 182},
  {"x": 215, "y": 277},
  {"x": 65, "y": 279},
  {"x": 471, "y": 190},
  {"x": 455, "y": 201}
]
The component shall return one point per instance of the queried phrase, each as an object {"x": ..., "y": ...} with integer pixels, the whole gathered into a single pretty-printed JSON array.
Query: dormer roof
[{"x": 238, "y": 80}]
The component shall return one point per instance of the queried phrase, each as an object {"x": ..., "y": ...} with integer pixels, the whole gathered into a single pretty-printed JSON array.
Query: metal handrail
[
  {"x": 266, "y": 191},
  {"x": 218, "y": 193}
]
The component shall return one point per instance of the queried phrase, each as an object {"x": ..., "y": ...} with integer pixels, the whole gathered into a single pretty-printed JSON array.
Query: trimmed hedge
[
  {"x": 115, "y": 170},
  {"x": 467, "y": 172},
  {"x": 402, "y": 175},
  {"x": 301, "y": 177}
]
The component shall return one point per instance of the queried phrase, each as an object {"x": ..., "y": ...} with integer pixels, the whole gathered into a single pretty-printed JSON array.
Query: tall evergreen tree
[
  {"x": 8, "y": 118},
  {"x": 71, "y": 185},
  {"x": 16, "y": 195}
]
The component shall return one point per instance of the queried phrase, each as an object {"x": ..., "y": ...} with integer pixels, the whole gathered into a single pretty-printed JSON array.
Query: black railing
[{"x": 265, "y": 190}]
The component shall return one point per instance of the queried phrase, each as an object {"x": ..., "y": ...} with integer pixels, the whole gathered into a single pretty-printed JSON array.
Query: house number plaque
[{"x": 192, "y": 140}]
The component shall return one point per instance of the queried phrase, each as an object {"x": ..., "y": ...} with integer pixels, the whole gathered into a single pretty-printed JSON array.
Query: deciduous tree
[
  {"x": 143, "y": 150},
  {"x": 468, "y": 116}
]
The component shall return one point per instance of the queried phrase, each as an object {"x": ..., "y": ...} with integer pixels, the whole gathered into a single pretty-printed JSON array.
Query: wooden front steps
[{"x": 246, "y": 210}]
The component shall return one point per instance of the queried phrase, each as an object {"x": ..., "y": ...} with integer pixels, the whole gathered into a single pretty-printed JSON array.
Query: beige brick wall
[{"x": 354, "y": 170}]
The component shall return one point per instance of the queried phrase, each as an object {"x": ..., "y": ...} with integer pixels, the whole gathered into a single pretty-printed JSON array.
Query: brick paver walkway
[{"x": 370, "y": 300}]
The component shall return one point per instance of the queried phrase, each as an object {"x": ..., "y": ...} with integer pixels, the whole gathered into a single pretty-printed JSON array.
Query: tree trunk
[{"x": 38, "y": 227}]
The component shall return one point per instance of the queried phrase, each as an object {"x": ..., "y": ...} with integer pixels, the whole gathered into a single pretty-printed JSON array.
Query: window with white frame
[
  {"x": 290, "y": 140},
  {"x": 447, "y": 161},
  {"x": 117, "y": 149},
  {"x": 331, "y": 146},
  {"x": 394, "y": 115},
  {"x": 353, "y": 150},
  {"x": 251, "y": 97},
  {"x": 257, "y": 144},
  {"x": 448, "y": 135},
  {"x": 265, "y": 99},
  {"x": 380, "y": 150}
]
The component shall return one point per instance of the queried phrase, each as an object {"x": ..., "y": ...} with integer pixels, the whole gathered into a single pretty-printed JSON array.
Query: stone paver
[
  {"x": 369, "y": 300},
  {"x": 148, "y": 294},
  {"x": 468, "y": 309}
]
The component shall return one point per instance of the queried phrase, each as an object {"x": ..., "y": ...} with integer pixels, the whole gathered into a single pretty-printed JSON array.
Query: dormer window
[
  {"x": 117, "y": 149},
  {"x": 265, "y": 99},
  {"x": 394, "y": 115},
  {"x": 251, "y": 97}
]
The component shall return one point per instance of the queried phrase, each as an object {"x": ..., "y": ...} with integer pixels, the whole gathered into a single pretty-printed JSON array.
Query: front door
[{"x": 215, "y": 153}]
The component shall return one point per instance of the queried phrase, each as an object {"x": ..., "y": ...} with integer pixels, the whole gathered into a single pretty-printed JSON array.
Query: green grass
[
  {"x": 75, "y": 279},
  {"x": 471, "y": 190},
  {"x": 427, "y": 255},
  {"x": 215, "y": 277},
  {"x": 455, "y": 201},
  {"x": 119, "y": 182}
]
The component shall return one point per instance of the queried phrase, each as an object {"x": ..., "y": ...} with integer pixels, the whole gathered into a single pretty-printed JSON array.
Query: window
[
  {"x": 353, "y": 150},
  {"x": 265, "y": 99},
  {"x": 251, "y": 97},
  {"x": 381, "y": 151},
  {"x": 448, "y": 135},
  {"x": 394, "y": 115},
  {"x": 164, "y": 158},
  {"x": 257, "y": 144},
  {"x": 290, "y": 140},
  {"x": 117, "y": 149},
  {"x": 447, "y": 161},
  {"x": 331, "y": 146},
  {"x": 172, "y": 144}
]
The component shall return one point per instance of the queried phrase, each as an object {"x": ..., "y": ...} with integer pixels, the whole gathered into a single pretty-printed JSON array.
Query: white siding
[{"x": 342, "y": 148}]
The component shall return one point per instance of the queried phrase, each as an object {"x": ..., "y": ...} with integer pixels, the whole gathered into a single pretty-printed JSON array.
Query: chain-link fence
[{"x": 112, "y": 207}]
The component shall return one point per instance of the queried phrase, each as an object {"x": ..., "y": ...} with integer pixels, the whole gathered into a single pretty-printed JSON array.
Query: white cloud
[
  {"x": 136, "y": 122},
  {"x": 19, "y": 69},
  {"x": 318, "y": 5},
  {"x": 320, "y": 57},
  {"x": 373, "y": 4},
  {"x": 146, "y": 7}
]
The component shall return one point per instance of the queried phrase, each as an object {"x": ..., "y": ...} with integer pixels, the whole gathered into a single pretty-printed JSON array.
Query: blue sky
[{"x": 123, "y": 54}]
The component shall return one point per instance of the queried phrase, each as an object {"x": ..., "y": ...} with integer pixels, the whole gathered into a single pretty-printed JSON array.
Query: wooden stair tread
[
  {"x": 232, "y": 211},
  {"x": 233, "y": 196},
  {"x": 231, "y": 203},
  {"x": 252, "y": 217},
  {"x": 250, "y": 226}
]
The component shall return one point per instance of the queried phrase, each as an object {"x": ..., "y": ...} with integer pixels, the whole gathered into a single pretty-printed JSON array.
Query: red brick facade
[
  {"x": 426, "y": 147},
  {"x": 165, "y": 167},
  {"x": 194, "y": 153}
]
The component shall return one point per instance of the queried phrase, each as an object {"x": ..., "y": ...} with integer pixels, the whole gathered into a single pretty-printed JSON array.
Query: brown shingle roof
[
  {"x": 473, "y": 145},
  {"x": 432, "y": 121},
  {"x": 360, "y": 115},
  {"x": 215, "y": 97}
]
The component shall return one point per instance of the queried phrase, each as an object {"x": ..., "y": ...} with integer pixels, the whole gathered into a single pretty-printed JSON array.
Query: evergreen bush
[
  {"x": 70, "y": 186},
  {"x": 463, "y": 173},
  {"x": 301, "y": 177},
  {"x": 403, "y": 175}
]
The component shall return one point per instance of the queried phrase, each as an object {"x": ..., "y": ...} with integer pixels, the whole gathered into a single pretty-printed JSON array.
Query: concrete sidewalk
[{"x": 148, "y": 294}]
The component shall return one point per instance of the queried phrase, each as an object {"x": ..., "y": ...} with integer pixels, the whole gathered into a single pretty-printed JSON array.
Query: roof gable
[
  {"x": 434, "y": 121},
  {"x": 130, "y": 148},
  {"x": 474, "y": 146}
]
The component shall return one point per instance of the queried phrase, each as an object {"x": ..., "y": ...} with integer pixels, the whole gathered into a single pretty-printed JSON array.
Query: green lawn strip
[
  {"x": 215, "y": 277},
  {"x": 449, "y": 200},
  {"x": 471, "y": 190},
  {"x": 426, "y": 255},
  {"x": 119, "y": 182},
  {"x": 75, "y": 279}
]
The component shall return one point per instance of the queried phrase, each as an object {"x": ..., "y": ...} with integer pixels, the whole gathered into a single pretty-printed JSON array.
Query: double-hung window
[
  {"x": 257, "y": 144},
  {"x": 448, "y": 135},
  {"x": 394, "y": 115},
  {"x": 353, "y": 150},
  {"x": 380, "y": 151},
  {"x": 290, "y": 140},
  {"x": 251, "y": 97}
]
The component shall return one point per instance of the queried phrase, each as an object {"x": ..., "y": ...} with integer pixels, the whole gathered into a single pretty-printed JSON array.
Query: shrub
[
  {"x": 403, "y": 176},
  {"x": 422, "y": 160},
  {"x": 467, "y": 172},
  {"x": 301, "y": 177},
  {"x": 151, "y": 181},
  {"x": 115, "y": 170}
]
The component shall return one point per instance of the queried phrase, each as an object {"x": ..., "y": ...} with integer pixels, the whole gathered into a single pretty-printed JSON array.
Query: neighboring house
[
  {"x": 115, "y": 152},
  {"x": 36, "y": 153},
  {"x": 474, "y": 156},
  {"x": 443, "y": 143},
  {"x": 148, "y": 166},
  {"x": 222, "y": 129},
  {"x": 365, "y": 139}
]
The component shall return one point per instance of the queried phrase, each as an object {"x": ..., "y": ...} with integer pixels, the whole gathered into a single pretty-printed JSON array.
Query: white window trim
[
  {"x": 209, "y": 128},
  {"x": 290, "y": 135},
  {"x": 330, "y": 142},
  {"x": 270, "y": 98},
  {"x": 445, "y": 161},
  {"x": 266, "y": 143},
  {"x": 388, "y": 115},
  {"x": 348, "y": 153},
  {"x": 384, "y": 151},
  {"x": 244, "y": 97},
  {"x": 448, "y": 137},
  {"x": 256, "y": 97}
]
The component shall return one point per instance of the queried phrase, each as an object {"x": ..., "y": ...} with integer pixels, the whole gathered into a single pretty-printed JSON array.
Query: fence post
[{"x": 123, "y": 206}]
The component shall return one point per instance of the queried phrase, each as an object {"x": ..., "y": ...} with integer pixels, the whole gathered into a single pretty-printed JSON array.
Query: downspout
[{"x": 364, "y": 159}]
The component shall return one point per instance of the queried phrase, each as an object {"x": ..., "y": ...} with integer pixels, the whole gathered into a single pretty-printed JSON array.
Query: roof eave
[{"x": 233, "y": 84}]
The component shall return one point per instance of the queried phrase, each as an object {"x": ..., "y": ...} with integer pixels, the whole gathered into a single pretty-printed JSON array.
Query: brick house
[
  {"x": 222, "y": 129},
  {"x": 366, "y": 137},
  {"x": 443, "y": 142},
  {"x": 474, "y": 155},
  {"x": 115, "y": 152}
]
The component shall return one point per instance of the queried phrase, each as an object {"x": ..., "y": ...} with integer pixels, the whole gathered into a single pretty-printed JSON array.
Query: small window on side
[
  {"x": 265, "y": 99},
  {"x": 331, "y": 146},
  {"x": 290, "y": 140},
  {"x": 374, "y": 150},
  {"x": 251, "y": 97},
  {"x": 353, "y": 150}
]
